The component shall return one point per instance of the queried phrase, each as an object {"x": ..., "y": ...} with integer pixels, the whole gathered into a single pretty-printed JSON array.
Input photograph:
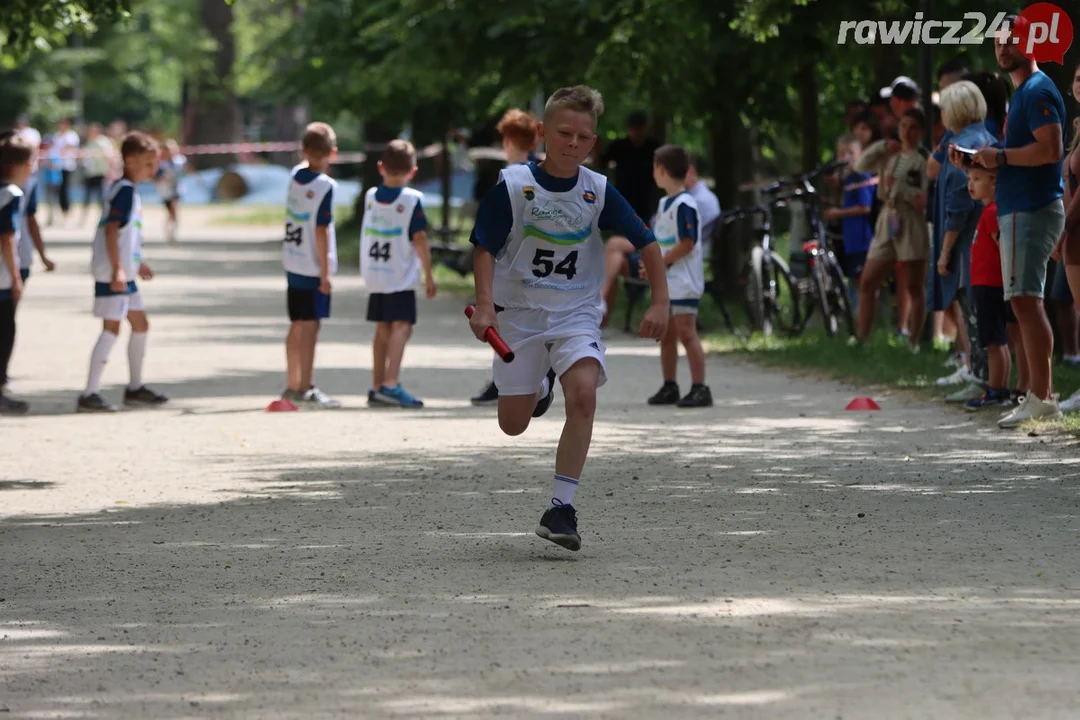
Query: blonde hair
[
  {"x": 519, "y": 127},
  {"x": 319, "y": 140},
  {"x": 962, "y": 104},
  {"x": 580, "y": 98}
]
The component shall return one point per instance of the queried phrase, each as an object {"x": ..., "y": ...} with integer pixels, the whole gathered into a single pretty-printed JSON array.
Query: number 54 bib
[{"x": 554, "y": 257}]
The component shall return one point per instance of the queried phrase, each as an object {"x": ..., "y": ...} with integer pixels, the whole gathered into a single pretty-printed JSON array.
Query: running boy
[
  {"x": 854, "y": 213},
  {"x": 309, "y": 254},
  {"x": 678, "y": 232},
  {"x": 16, "y": 166},
  {"x": 393, "y": 249},
  {"x": 518, "y": 130},
  {"x": 539, "y": 264},
  {"x": 115, "y": 259},
  {"x": 993, "y": 313}
]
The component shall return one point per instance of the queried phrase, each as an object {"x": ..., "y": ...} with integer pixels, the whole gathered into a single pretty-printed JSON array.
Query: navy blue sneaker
[
  {"x": 545, "y": 402},
  {"x": 559, "y": 525},
  {"x": 994, "y": 397}
]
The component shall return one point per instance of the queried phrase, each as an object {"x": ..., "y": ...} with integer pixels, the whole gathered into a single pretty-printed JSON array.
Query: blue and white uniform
[
  {"x": 388, "y": 262},
  {"x": 122, "y": 206},
  {"x": 677, "y": 221},
  {"x": 168, "y": 177},
  {"x": 11, "y": 198},
  {"x": 309, "y": 206},
  {"x": 549, "y": 267}
]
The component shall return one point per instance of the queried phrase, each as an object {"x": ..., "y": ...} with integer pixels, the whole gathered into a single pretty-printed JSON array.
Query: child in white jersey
[
  {"x": 539, "y": 264},
  {"x": 115, "y": 260},
  {"x": 16, "y": 166},
  {"x": 168, "y": 184},
  {"x": 309, "y": 255},
  {"x": 393, "y": 250},
  {"x": 678, "y": 232}
]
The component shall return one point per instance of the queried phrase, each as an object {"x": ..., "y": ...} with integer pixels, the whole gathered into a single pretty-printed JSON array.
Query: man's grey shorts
[{"x": 1027, "y": 239}]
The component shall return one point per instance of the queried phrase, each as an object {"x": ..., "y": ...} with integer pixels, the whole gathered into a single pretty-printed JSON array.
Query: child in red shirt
[{"x": 994, "y": 317}]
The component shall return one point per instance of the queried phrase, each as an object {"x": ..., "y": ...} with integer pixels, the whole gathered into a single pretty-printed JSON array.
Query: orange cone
[
  {"x": 281, "y": 406},
  {"x": 863, "y": 403}
]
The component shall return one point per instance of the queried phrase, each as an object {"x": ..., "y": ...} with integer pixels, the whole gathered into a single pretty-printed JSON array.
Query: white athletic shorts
[
  {"x": 540, "y": 341},
  {"x": 116, "y": 307}
]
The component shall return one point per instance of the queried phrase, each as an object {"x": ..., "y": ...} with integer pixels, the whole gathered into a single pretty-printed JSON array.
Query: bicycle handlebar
[
  {"x": 738, "y": 213},
  {"x": 804, "y": 181}
]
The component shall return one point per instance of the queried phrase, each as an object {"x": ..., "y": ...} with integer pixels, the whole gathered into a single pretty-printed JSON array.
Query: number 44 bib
[{"x": 554, "y": 257}]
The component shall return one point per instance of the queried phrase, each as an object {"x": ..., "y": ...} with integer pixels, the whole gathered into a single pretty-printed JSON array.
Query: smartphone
[{"x": 969, "y": 155}]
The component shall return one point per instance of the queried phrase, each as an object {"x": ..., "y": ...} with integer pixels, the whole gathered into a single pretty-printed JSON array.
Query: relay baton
[{"x": 492, "y": 336}]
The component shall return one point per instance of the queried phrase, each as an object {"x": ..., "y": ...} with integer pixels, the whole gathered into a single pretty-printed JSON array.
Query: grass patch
[
  {"x": 884, "y": 363},
  {"x": 268, "y": 215}
]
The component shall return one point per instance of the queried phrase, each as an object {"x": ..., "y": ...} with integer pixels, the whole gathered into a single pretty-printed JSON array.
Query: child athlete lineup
[{"x": 538, "y": 268}]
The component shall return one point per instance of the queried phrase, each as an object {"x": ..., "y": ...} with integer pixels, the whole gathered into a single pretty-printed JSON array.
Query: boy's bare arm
[
  {"x": 322, "y": 250},
  {"x": 7, "y": 251},
  {"x": 483, "y": 278},
  {"x": 684, "y": 247},
  {"x": 423, "y": 251},
  {"x": 39, "y": 242},
  {"x": 112, "y": 249}
]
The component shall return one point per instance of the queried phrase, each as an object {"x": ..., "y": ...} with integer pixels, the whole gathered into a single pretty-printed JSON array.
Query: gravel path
[{"x": 771, "y": 557}]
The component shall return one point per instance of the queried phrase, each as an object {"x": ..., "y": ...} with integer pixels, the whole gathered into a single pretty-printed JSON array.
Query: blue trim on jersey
[
  {"x": 302, "y": 282},
  {"x": 386, "y": 195},
  {"x": 9, "y": 216},
  {"x": 305, "y": 175},
  {"x": 24, "y": 273},
  {"x": 686, "y": 222},
  {"x": 687, "y": 302},
  {"x": 120, "y": 207},
  {"x": 103, "y": 290},
  {"x": 31, "y": 201},
  {"x": 618, "y": 216},
  {"x": 298, "y": 217}
]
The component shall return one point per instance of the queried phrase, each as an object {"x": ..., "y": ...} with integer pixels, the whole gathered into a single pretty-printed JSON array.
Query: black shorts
[
  {"x": 853, "y": 264},
  {"x": 992, "y": 313},
  {"x": 308, "y": 305},
  {"x": 392, "y": 307}
]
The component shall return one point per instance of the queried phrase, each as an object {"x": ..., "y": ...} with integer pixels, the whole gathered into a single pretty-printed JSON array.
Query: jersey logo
[
  {"x": 594, "y": 346},
  {"x": 310, "y": 194},
  {"x": 529, "y": 191},
  {"x": 401, "y": 208},
  {"x": 589, "y": 196}
]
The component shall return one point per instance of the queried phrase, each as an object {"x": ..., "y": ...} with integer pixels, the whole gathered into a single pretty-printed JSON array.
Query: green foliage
[{"x": 28, "y": 25}]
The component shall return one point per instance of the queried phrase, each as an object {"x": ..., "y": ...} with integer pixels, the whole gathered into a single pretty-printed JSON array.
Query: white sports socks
[
  {"x": 98, "y": 358},
  {"x": 563, "y": 489},
  {"x": 136, "y": 355}
]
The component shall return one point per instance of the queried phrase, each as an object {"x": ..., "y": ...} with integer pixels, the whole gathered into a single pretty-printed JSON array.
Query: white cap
[{"x": 900, "y": 80}]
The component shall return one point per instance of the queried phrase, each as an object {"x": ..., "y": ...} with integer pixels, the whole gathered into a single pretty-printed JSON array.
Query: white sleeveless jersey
[
  {"x": 26, "y": 242},
  {"x": 554, "y": 257},
  {"x": 129, "y": 239},
  {"x": 686, "y": 278},
  {"x": 388, "y": 261},
  {"x": 11, "y": 194},
  {"x": 300, "y": 254}
]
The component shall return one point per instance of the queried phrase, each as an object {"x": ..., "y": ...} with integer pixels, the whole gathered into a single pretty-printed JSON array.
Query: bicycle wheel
[
  {"x": 840, "y": 300},
  {"x": 829, "y": 320},
  {"x": 754, "y": 294},
  {"x": 783, "y": 306}
]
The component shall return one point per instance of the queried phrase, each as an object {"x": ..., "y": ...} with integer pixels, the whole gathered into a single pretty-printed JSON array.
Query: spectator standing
[
  {"x": 1031, "y": 214},
  {"x": 854, "y": 214},
  {"x": 1067, "y": 251},
  {"x": 633, "y": 159},
  {"x": 66, "y": 145},
  {"x": 24, "y": 130},
  {"x": 97, "y": 159}
]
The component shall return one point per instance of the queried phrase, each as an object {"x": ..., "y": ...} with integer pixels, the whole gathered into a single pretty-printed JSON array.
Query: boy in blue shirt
[
  {"x": 854, "y": 214},
  {"x": 16, "y": 165}
]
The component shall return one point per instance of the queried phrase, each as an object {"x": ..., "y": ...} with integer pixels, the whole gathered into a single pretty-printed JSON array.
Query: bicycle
[
  {"x": 816, "y": 269},
  {"x": 770, "y": 295}
]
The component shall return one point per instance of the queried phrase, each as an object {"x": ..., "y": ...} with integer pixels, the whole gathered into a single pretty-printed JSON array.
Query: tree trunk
[
  {"x": 810, "y": 109},
  {"x": 732, "y": 162},
  {"x": 216, "y": 116}
]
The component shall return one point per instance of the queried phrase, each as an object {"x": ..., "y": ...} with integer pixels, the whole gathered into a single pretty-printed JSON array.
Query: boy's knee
[
  {"x": 686, "y": 328},
  {"x": 580, "y": 401},
  {"x": 513, "y": 426}
]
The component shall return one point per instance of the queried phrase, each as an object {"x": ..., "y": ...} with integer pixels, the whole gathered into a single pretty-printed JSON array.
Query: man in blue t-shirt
[{"x": 1031, "y": 214}]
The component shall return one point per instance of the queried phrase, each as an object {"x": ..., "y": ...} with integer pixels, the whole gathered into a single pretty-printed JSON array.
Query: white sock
[
  {"x": 545, "y": 387},
  {"x": 562, "y": 490},
  {"x": 136, "y": 355},
  {"x": 98, "y": 358}
]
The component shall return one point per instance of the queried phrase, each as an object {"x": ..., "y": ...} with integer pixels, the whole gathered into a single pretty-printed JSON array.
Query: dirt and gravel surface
[{"x": 771, "y": 557}]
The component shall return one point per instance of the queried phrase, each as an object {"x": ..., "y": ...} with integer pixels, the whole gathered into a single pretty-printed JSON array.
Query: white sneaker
[
  {"x": 1072, "y": 404},
  {"x": 956, "y": 360},
  {"x": 962, "y": 375},
  {"x": 1031, "y": 408}
]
